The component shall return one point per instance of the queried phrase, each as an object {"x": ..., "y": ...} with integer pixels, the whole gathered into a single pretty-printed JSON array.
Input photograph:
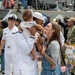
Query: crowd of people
[
  {"x": 22, "y": 43},
  {"x": 10, "y": 4}
]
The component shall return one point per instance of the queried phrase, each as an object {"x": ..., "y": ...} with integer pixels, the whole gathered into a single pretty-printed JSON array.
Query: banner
[{"x": 70, "y": 55}]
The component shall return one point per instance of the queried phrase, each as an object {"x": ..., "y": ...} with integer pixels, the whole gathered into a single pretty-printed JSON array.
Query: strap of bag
[{"x": 63, "y": 58}]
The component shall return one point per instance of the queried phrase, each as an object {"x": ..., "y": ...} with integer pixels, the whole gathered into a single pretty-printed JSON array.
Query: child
[{"x": 29, "y": 23}]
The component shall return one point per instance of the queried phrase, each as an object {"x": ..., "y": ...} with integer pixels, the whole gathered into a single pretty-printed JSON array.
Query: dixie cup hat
[{"x": 38, "y": 16}]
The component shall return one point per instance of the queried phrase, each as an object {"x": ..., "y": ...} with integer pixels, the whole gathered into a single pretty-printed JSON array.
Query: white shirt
[
  {"x": 25, "y": 25},
  {"x": 23, "y": 57},
  {"x": 8, "y": 36}
]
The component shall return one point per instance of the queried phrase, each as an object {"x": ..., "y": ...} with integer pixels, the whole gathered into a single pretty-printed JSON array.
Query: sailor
[
  {"x": 9, "y": 42},
  {"x": 24, "y": 63}
]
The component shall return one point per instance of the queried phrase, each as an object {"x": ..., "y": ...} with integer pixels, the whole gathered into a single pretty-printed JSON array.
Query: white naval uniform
[
  {"x": 24, "y": 63},
  {"x": 62, "y": 39},
  {"x": 9, "y": 49}
]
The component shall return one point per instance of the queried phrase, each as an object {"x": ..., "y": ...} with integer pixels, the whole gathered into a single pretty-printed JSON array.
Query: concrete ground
[
  {"x": 1, "y": 74},
  {"x": 39, "y": 67}
]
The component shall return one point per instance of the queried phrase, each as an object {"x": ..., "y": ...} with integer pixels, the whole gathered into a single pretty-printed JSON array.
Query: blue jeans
[
  {"x": 24, "y": 3},
  {"x": 47, "y": 70},
  {"x": 2, "y": 62}
]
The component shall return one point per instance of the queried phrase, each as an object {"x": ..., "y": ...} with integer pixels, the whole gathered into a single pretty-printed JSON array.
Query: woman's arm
[
  {"x": 55, "y": 51},
  {"x": 42, "y": 50},
  {"x": 48, "y": 58}
]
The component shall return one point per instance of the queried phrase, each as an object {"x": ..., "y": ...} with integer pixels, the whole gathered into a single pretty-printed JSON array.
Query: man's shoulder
[
  {"x": 5, "y": 29},
  {"x": 72, "y": 29}
]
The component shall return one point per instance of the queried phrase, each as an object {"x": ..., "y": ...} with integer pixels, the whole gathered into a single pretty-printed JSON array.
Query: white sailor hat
[
  {"x": 38, "y": 15},
  {"x": 60, "y": 17},
  {"x": 11, "y": 17}
]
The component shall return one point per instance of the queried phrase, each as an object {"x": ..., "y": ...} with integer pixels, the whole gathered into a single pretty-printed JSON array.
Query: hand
[
  {"x": 36, "y": 37},
  {"x": 45, "y": 32},
  {"x": 39, "y": 39},
  {"x": 52, "y": 66}
]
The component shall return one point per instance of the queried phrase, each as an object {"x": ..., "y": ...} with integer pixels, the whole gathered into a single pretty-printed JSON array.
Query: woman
[{"x": 51, "y": 53}]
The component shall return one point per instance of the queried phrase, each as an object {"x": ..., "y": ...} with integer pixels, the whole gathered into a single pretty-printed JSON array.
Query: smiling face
[
  {"x": 49, "y": 29},
  {"x": 53, "y": 31}
]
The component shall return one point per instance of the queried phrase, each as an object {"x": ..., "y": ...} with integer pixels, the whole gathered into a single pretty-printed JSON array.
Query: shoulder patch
[
  {"x": 33, "y": 37},
  {"x": 19, "y": 32}
]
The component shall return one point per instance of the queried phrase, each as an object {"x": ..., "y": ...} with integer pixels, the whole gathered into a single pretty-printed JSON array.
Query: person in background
[
  {"x": 63, "y": 26},
  {"x": 24, "y": 3},
  {"x": 71, "y": 36},
  {"x": 47, "y": 19},
  {"x": 29, "y": 2},
  {"x": 3, "y": 24},
  {"x": 8, "y": 4},
  {"x": 71, "y": 31},
  {"x": 17, "y": 22},
  {"x": 8, "y": 41}
]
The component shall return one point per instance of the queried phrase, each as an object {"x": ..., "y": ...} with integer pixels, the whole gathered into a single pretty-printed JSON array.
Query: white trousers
[
  {"x": 9, "y": 63},
  {"x": 26, "y": 72}
]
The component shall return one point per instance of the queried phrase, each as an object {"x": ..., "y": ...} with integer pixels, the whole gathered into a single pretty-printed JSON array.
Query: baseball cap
[
  {"x": 38, "y": 16},
  {"x": 71, "y": 19}
]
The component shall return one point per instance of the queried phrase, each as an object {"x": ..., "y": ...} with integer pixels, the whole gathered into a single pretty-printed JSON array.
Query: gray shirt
[{"x": 53, "y": 50}]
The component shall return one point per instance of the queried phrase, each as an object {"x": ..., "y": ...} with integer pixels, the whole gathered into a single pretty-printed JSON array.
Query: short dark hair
[
  {"x": 18, "y": 20},
  {"x": 11, "y": 18},
  {"x": 4, "y": 24}
]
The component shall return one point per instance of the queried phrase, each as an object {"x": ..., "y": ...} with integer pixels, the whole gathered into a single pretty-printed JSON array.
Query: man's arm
[{"x": 25, "y": 44}]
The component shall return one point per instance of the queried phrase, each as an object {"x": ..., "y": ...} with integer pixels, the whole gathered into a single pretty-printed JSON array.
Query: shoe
[{"x": 3, "y": 72}]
